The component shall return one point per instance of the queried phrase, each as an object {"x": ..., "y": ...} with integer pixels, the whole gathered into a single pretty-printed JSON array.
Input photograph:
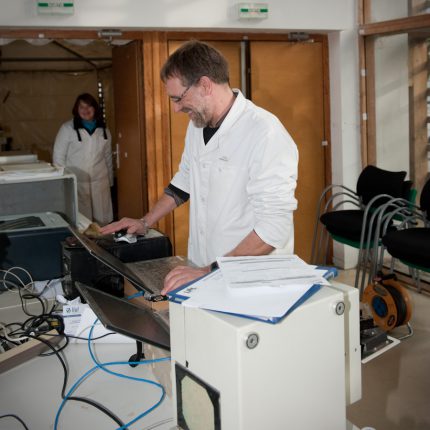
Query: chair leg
[
  {"x": 418, "y": 277},
  {"x": 372, "y": 258},
  {"x": 360, "y": 271},
  {"x": 408, "y": 334},
  {"x": 319, "y": 256},
  {"x": 364, "y": 257},
  {"x": 381, "y": 260},
  {"x": 393, "y": 262},
  {"x": 326, "y": 247}
]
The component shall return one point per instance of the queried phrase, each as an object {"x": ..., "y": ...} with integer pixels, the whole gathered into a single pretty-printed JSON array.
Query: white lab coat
[
  {"x": 91, "y": 161},
  {"x": 243, "y": 179}
]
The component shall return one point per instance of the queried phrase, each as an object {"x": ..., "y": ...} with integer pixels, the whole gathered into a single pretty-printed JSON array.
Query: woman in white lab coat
[{"x": 83, "y": 145}]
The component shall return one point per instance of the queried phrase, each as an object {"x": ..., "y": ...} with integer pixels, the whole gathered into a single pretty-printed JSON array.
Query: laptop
[
  {"x": 118, "y": 314},
  {"x": 116, "y": 265}
]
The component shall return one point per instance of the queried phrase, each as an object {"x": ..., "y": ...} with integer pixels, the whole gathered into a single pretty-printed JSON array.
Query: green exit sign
[
  {"x": 253, "y": 10},
  {"x": 56, "y": 7}
]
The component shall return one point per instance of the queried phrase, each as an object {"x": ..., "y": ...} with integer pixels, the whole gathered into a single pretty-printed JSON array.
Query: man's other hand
[{"x": 181, "y": 275}]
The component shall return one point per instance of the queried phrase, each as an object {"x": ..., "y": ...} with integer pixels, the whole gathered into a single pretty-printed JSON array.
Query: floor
[{"x": 396, "y": 385}]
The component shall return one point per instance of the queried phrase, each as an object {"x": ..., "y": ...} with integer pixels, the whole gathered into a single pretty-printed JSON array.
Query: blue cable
[
  {"x": 138, "y": 294},
  {"x": 113, "y": 363},
  {"x": 102, "y": 367}
]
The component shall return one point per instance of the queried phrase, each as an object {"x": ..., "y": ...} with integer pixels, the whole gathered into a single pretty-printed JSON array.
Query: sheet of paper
[
  {"x": 269, "y": 271},
  {"x": 212, "y": 293},
  {"x": 26, "y": 175}
]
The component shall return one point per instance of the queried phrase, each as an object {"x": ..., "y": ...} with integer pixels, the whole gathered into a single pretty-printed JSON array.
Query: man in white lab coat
[{"x": 238, "y": 168}]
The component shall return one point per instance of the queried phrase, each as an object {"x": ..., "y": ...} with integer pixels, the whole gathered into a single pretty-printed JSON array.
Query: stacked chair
[
  {"x": 404, "y": 230},
  {"x": 384, "y": 218},
  {"x": 358, "y": 226},
  {"x": 410, "y": 242}
]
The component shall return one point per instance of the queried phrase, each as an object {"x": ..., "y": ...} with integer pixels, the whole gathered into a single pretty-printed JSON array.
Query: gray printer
[{"x": 33, "y": 241}]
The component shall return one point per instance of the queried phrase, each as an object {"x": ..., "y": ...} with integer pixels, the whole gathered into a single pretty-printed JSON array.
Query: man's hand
[
  {"x": 181, "y": 275},
  {"x": 133, "y": 226}
]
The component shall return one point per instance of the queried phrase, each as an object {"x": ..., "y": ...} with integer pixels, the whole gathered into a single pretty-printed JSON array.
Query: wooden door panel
[
  {"x": 178, "y": 127},
  {"x": 127, "y": 73},
  {"x": 287, "y": 80}
]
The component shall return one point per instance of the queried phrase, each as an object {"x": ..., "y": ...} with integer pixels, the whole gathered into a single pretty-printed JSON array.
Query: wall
[
  {"x": 219, "y": 14},
  {"x": 345, "y": 125},
  {"x": 392, "y": 102},
  {"x": 335, "y": 17}
]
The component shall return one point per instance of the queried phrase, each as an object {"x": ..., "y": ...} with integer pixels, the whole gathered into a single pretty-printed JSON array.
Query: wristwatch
[{"x": 145, "y": 225}]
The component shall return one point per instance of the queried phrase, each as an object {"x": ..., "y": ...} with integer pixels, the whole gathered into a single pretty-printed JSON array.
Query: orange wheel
[
  {"x": 405, "y": 309},
  {"x": 382, "y": 306}
]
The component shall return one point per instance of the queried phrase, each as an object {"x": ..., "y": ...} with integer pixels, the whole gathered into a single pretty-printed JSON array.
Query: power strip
[{"x": 22, "y": 353}]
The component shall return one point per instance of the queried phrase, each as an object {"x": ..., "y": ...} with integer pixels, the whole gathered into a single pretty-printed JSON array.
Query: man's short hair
[{"x": 195, "y": 59}]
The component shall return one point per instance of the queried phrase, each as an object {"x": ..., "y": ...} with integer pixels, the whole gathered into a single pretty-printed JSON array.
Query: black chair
[
  {"x": 410, "y": 242},
  {"x": 353, "y": 227}
]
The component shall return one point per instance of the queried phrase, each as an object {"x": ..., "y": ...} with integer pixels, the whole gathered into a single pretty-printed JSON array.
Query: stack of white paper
[
  {"x": 263, "y": 287},
  {"x": 269, "y": 271}
]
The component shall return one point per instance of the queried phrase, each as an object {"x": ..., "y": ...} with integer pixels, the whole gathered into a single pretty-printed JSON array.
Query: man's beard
[{"x": 198, "y": 118}]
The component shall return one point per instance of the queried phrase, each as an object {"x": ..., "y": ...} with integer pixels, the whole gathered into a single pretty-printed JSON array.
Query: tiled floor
[{"x": 396, "y": 385}]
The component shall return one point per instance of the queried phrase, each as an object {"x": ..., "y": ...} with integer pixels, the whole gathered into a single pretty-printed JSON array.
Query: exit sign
[{"x": 56, "y": 7}]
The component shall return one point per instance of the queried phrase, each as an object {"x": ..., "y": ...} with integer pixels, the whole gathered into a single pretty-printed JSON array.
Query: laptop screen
[{"x": 126, "y": 318}]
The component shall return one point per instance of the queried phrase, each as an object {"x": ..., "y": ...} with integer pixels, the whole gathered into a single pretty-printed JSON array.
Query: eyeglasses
[{"x": 178, "y": 99}]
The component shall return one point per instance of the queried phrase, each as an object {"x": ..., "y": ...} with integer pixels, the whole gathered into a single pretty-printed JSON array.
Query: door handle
[{"x": 116, "y": 154}]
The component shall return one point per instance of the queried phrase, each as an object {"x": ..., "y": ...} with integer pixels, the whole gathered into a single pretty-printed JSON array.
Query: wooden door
[
  {"x": 128, "y": 141},
  {"x": 178, "y": 127},
  {"x": 287, "y": 80}
]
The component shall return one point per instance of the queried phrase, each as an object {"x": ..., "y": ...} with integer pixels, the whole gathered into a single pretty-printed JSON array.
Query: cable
[
  {"x": 148, "y": 381},
  {"x": 159, "y": 423},
  {"x": 15, "y": 339},
  {"x": 17, "y": 418},
  {"x": 80, "y": 399},
  {"x": 48, "y": 284},
  {"x": 103, "y": 366},
  {"x": 38, "y": 324},
  {"x": 138, "y": 294},
  {"x": 83, "y": 338},
  {"x": 11, "y": 283},
  {"x": 9, "y": 272}
]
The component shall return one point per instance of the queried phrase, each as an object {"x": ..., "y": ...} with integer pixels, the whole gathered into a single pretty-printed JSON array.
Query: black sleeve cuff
[{"x": 177, "y": 194}]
